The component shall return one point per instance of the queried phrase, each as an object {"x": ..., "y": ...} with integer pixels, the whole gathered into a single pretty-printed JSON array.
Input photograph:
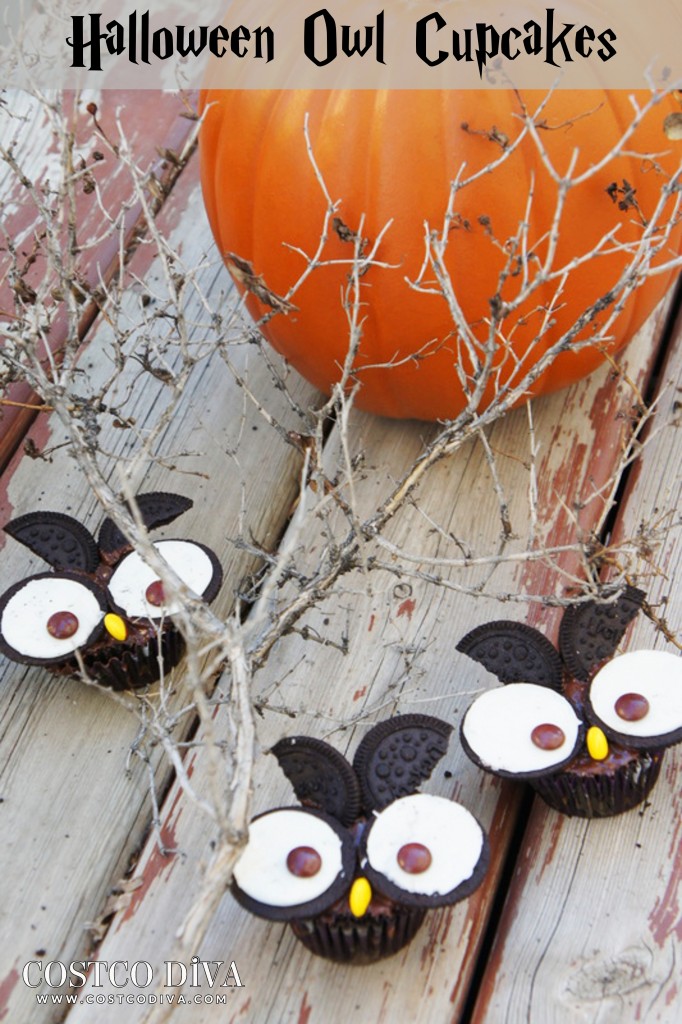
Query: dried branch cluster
[{"x": 164, "y": 329}]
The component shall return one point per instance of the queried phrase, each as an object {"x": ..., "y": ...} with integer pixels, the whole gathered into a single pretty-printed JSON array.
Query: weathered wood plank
[
  {"x": 151, "y": 124},
  {"x": 75, "y": 802},
  {"x": 401, "y": 634},
  {"x": 592, "y": 928}
]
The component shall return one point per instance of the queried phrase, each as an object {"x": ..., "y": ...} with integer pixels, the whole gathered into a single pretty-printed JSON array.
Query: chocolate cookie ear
[
  {"x": 397, "y": 755},
  {"x": 157, "y": 508},
  {"x": 321, "y": 776},
  {"x": 59, "y": 539},
  {"x": 515, "y": 653},
  {"x": 590, "y": 632}
]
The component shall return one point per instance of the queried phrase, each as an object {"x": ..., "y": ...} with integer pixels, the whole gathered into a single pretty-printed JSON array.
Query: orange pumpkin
[{"x": 391, "y": 156}]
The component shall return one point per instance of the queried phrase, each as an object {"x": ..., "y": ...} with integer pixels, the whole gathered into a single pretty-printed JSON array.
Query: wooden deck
[{"x": 577, "y": 921}]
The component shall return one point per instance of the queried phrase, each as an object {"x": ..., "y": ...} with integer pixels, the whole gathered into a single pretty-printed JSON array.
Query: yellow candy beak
[
  {"x": 115, "y": 626},
  {"x": 360, "y": 897},
  {"x": 597, "y": 743}
]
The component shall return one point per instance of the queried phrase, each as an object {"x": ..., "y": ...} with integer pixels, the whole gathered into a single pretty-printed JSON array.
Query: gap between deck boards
[{"x": 474, "y": 1011}]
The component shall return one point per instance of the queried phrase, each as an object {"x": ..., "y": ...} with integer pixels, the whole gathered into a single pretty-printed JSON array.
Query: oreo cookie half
[
  {"x": 321, "y": 776},
  {"x": 59, "y": 539},
  {"x": 590, "y": 632},
  {"x": 157, "y": 508},
  {"x": 514, "y": 652},
  {"x": 397, "y": 755}
]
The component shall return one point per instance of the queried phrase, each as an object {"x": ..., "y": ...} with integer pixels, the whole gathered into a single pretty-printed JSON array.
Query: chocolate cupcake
[
  {"x": 586, "y": 729},
  {"x": 355, "y": 869},
  {"x": 101, "y": 600}
]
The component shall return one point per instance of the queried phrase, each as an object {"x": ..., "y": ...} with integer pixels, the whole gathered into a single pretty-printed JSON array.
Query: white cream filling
[
  {"x": 451, "y": 834},
  {"x": 499, "y": 724},
  {"x": 656, "y": 675},
  {"x": 132, "y": 576},
  {"x": 25, "y": 617},
  {"x": 261, "y": 871}
]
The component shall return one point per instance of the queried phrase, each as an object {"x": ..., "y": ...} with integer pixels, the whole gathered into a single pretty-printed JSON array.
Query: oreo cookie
[
  {"x": 590, "y": 633},
  {"x": 398, "y": 755},
  {"x": 321, "y": 776},
  {"x": 157, "y": 508},
  {"x": 514, "y": 652},
  {"x": 57, "y": 538}
]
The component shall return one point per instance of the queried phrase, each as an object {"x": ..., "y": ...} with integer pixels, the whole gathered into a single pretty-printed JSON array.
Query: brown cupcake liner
[
  {"x": 601, "y": 796},
  {"x": 364, "y": 940},
  {"x": 130, "y": 668}
]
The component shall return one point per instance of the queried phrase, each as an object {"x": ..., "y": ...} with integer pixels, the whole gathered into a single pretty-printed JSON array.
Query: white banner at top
[{"x": 360, "y": 44}]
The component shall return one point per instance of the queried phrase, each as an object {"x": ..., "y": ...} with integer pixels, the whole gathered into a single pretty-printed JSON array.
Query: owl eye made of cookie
[
  {"x": 296, "y": 864},
  {"x": 47, "y": 617},
  {"x": 637, "y": 699},
  {"x": 521, "y": 730},
  {"x": 425, "y": 851},
  {"x": 136, "y": 591}
]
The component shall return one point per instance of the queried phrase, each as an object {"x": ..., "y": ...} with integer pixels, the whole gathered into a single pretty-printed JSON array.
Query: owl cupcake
[
  {"x": 101, "y": 599},
  {"x": 586, "y": 729},
  {"x": 356, "y": 867}
]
